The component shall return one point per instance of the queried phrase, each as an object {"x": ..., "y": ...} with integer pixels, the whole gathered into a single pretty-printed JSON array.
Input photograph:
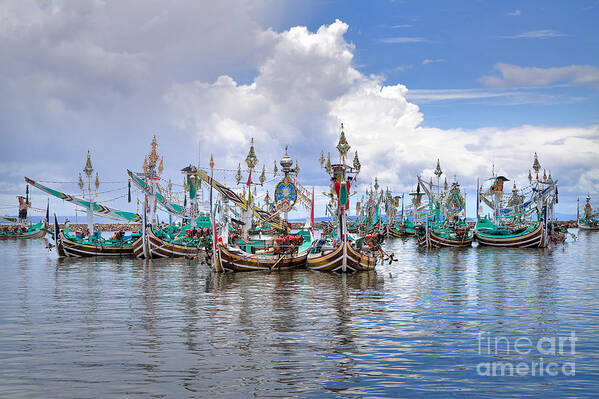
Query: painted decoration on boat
[{"x": 285, "y": 193}]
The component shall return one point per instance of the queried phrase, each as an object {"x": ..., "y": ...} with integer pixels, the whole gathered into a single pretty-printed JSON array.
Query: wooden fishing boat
[
  {"x": 588, "y": 224},
  {"x": 532, "y": 236},
  {"x": 340, "y": 258},
  {"x": 162, "y": 245},
  {"x": 589, "y": 221},
  {"x": 235, "y": 259},
  {"x": 437, "y": 237},
  {"x": 37, "y": 230},
  {"x": 277, "y": 253},
  {"x": 518, "y": 221},
  {"x": 68, "y": 245},
  {"x": 402, "y": 229},
  {"x": 337, "y": 252},
  {"x": 445, "y": 224},
  {"x": 93, "y": 244}
]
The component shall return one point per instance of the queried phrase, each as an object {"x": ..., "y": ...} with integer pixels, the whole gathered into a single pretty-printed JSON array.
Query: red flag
[
  {"x": 249, "y": 188},
  {"x": 348, "y": 187}
]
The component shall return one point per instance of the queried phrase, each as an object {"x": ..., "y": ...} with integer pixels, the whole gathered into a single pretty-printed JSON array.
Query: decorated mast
[
  {"x": 152, "y": 170},
  {"x": 286, "y": 191},
  {"x": 89, "y": 170},
  {"x": 341, "y": 181},
  {"x": 251, "y": 161}
]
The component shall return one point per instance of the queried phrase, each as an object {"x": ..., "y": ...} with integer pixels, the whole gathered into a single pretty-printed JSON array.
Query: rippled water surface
[{"x": 171, "y": 328}]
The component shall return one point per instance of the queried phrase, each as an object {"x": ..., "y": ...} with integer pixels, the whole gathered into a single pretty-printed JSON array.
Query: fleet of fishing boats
[{"x": 235, "y": 230}]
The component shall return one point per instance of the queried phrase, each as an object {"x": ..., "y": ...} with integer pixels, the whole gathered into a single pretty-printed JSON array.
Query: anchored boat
[
  {"x": 90, "y": 243},
  {"x": 286, "y": 251},
  {"x": 338, "y": 252},
  {"x": 21, "y": 227},
  {"x": 589, "y": 221},
  {"x": 37, "y": 230},
  {"x": 521, "y": 220},
  {"x": 445, "y": 224}
]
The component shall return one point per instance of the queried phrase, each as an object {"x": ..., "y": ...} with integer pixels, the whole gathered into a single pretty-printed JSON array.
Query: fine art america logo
[{"x": 546, "y": 356}]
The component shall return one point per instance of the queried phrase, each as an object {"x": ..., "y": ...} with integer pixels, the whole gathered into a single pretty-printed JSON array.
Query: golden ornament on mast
[
  {"x": 238, "y": 175},
  {"x": 328, "y": 167},
  {"x": 357, "y": 164},
  {"x": 438, "y": 171},
  {"x": 263, "y": 175},
  {"x": 251, "y": 160},
  {"x": 153, "y": 156},
  {"x": 343, "y": 146},
  {"x": 88, "y": 166}
]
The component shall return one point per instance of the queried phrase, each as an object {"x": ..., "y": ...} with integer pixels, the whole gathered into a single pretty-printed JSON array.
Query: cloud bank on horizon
[{"x": 89, "y": 80}]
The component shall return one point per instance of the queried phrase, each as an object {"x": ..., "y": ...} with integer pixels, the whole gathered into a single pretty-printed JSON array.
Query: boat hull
[
  {"x": 437, "y": 241},
  {"x": 532, "y": 239},
  {"x": 34, "y": 234},
  {"x": 159, "y": 248},
  {"x": 582, "y": 225},
  {"x": 334, "y": 261},
  {"x": 239, "y": 261},
  {"x": 72, "y": 249},
  {"x": 138, "y": 248}
]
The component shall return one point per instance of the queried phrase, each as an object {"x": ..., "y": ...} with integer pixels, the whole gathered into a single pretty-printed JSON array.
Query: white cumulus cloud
[{"x": 309, "y": 84}]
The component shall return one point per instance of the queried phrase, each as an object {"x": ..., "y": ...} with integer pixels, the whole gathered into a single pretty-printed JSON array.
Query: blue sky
[
  {"x": 469, "y": 82},
  {"x": 463, "y": 40}
]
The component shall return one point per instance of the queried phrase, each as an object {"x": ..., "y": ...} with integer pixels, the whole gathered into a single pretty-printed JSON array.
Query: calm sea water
[{"x": 423, "y": 326}]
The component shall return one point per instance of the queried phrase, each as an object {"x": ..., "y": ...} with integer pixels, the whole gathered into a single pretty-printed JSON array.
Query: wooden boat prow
[{"x": 332, "y": 260}]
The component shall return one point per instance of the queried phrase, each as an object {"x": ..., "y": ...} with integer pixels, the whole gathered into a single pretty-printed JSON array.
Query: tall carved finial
[
  {"x": 445, "y": 185},
  {"x": 321, "y": 159},
  {"x": 161, "y": 166},
  {"x": 343, "y": 146},
  {"x": 515, "y": 189},
  {"x": 357, "y": 164},
  {"x": 211, "y": 162},
  {"x": 328, "y": 167},
  {"x": 89, "y": 169},
  {"x": 297, "y": 168},
  {"x": 529, "y": 176},
  {"x": 262, "y": 175},
  {"x": 549, "y": 179},
  {"x": 536, "y": 165},
  {"x": 97, "y": 182},
  {"x": 438, "y": 171},
  {"x": 238, "y": 175},
  {"x": 153, "y": 156},
  {"x": 251, "y": 160},
  {"x": 80, "y": 181},
  {"x": 376, "y": 184},
  {"x": 544, "y": 175},
  {"x": 275, "y": 168}
]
